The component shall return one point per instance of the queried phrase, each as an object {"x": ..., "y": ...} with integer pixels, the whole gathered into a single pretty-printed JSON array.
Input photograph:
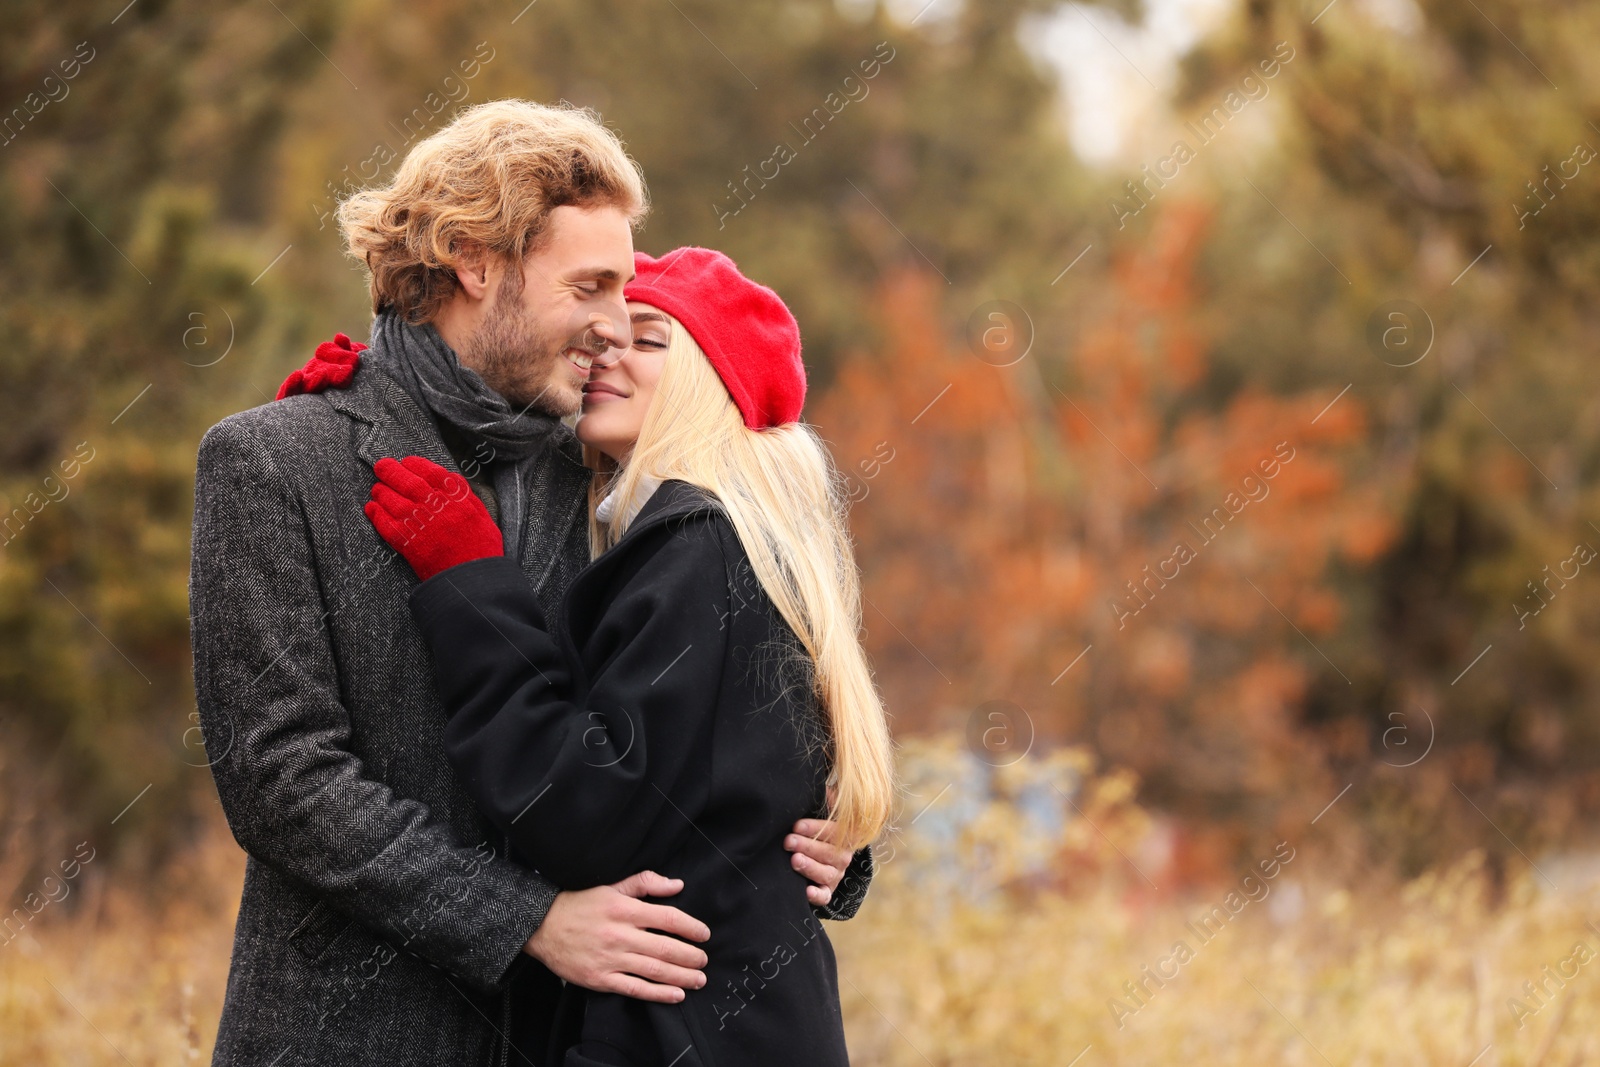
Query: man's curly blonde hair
[{"x": 490, "y": 178}]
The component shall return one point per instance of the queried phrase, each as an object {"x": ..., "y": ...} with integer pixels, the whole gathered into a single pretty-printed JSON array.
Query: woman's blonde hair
[
  {"x": 487, "y": 180},
  {"x": 779, "y": 489}
]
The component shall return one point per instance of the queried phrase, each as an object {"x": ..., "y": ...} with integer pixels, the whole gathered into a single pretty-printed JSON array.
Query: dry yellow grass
[
  {"x": 1424, "y": 978},
  {"x": 1309, "y": 972},
  {"x": 961, "y": 958},
  {"x": 129, "y": 975}
]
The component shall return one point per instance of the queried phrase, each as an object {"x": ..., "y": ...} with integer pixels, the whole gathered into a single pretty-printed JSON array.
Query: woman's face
[{"x": 622, "y": 384}]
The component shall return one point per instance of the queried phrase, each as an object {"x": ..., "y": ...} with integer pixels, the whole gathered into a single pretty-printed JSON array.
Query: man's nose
[{"x": 609, "y": 323}]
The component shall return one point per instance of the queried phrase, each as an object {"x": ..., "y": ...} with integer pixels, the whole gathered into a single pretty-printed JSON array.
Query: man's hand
[
  {"x": 816, "y": 857},
  {"x": 602, "y": 939}
]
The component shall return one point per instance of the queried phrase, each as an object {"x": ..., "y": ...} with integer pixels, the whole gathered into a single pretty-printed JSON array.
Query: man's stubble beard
[{"x": 517, "y": 359}]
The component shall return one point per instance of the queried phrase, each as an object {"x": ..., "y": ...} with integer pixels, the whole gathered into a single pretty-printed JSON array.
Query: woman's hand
[
  {"x": 431, "y": 516},
  {"x": 818, "y": 858},
  {"x": 331, "y": 367}
]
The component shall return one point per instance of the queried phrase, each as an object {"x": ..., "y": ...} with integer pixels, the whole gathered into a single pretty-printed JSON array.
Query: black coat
[{"x": 667, "y": 723}]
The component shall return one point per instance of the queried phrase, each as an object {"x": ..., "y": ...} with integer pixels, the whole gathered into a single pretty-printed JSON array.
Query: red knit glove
[
  {"x": 431, "y": 516},
  {"x": 332, "y": 367}
]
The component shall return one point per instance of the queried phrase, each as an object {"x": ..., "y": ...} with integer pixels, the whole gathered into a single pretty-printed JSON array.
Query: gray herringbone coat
[{"x": 380, "y": 919}]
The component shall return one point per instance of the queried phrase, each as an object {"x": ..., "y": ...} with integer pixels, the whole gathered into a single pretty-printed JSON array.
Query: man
[{"x": 381, "y": 920}]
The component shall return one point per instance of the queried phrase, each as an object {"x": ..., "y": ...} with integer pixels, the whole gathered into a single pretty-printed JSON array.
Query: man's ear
[{"x": 475, "y": 271}]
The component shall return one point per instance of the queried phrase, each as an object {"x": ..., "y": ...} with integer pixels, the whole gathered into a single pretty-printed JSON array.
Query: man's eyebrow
[{"x": 601, "y": 273}]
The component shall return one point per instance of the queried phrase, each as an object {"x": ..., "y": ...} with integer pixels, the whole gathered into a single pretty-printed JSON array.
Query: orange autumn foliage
[{"x": 1075, "y": 533}]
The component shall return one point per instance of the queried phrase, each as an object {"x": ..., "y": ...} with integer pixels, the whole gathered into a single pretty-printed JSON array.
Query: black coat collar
[{"x": 673, "y": 499}]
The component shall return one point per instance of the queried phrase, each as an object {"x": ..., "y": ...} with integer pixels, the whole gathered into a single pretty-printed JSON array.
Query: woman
[{"x": 705, "y": 685}]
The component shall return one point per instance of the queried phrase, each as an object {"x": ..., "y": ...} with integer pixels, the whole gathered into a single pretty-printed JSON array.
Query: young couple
[{"x": 481, "y": 694}]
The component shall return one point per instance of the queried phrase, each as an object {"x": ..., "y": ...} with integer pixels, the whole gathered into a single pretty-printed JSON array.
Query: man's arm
[
  {"x": 605, "y": 939},
  {"x": 295, "y": 796}
]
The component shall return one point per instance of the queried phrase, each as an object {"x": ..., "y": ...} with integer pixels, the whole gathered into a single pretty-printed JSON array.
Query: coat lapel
[
  {"x": 395, "y": 426},
  {"x": 672, "y": 499}
]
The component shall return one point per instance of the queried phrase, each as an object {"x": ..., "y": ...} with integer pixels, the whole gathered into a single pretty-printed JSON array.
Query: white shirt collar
[{"x": 606, "y": 512}]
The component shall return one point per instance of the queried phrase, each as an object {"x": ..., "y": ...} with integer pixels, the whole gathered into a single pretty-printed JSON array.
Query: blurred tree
[
  {"x": 132, "y": 216},
  {"x": 1163, "y": 583},
  {"x": 1439, "y": 153},
  {"x": 170, "y": 254}
]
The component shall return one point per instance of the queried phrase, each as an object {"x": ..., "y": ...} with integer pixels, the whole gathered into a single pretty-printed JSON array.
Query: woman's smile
[{"x": 599, "y": 392}]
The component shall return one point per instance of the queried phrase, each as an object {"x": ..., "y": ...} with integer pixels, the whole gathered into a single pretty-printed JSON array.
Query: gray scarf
[{"x": 427, "y": 368}]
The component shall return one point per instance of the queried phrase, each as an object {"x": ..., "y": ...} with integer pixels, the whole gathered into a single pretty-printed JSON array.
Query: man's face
[{"x": 534, "y": 347}]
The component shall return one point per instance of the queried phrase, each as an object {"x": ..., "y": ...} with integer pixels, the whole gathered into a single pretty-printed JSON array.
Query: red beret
[{"x": 744, "y": 328}]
